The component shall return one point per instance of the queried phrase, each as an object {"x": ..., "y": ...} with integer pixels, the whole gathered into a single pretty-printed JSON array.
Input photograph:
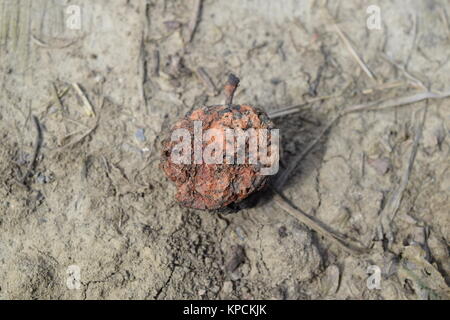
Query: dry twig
[
  {"x": 86, "y": 103},
  {"x": 388, "y": 213},
  {"x": 70, "y": 144},
  {"x": 346, "y": 244},
  {"x": 192, "y": 27},
  {"x": 206, "y": 79},
  {"x": 414, "y": 81},
  {"x": 37, "y": 148},
  {"x": 372, "y": 106},
  {"x": 352, "y": 51}
]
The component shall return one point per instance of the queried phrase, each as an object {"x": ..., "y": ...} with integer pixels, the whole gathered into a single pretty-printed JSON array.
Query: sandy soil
[{"x": 96, "y": 202}]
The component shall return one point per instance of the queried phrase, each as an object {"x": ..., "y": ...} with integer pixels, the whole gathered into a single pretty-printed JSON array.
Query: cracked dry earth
[{"x": 96, "y": 200}]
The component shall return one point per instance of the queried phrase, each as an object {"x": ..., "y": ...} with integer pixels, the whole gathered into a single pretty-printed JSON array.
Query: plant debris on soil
[{"x": 364, "y": 183}]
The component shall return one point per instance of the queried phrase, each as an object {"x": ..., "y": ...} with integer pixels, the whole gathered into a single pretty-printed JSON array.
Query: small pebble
[
  {"x": 140, "y": 135},
  {"x": 215, "y": 289},
  {"x": 240, "y": 233},
  {"x": 235, "y": 275},
  {"x": 41, "y": 178},
  {"x": 201, "y": 292},
  {"x": 227, "y": 287}
]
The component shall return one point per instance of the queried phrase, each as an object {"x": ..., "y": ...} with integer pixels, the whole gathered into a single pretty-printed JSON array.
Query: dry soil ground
[{"x": 96, "y": 202}]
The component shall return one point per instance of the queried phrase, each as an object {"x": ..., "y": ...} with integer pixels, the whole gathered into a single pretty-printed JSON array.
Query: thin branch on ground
[
  {"x": 295, "y": 108},
  {"x": 346, "y": 244},
  {"x": 414, "y": 81},
  {"x": 89, "y": 109},
  {"x": 37, "y": 148},
  {"x": 352, "y": 51},
  {"x": 81, "y": 138},
  {"x": 207, "y": 81},
  {"x": 371, "y": 106},
  {"x": 389, "y": 212},
  {"x": 195, "y": 19}
]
